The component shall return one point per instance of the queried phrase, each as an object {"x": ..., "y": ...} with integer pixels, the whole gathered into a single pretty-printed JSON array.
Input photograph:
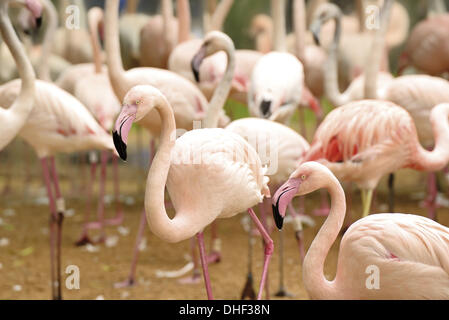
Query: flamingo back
[
  {"x": 410, "y": 251},
  {"x": 364, "y": 140},
  {"x": 58, "y": 122},
  {"x": 216, "y": 172},
  {"x": 279, "y": 147}
]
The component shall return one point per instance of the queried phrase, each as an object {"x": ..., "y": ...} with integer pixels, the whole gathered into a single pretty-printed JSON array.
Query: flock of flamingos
[{"x": 164, "y": 79}]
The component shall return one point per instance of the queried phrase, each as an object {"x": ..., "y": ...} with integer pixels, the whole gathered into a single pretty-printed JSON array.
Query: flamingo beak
[
  {"x": 122, "y": 127},
  {"x": 315, "y": 28},
  {"x": 196, "y": 62},
  {"x": 282, "y": 198},
  {"x": 35, "y": 7}
]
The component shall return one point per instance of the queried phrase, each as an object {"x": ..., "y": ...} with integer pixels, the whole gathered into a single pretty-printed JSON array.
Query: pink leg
[
  {"x": 248, "y": 290},
  {"x": 100, "y": 211},
  {"x": 215, "y": 252},
  {"x": 118, "y": 220},
  {"x": 60, "y": 209},
  {"x": 52, "y": 204},
  {"x": 195, "y": 277},
  {"x": 200, "y": 238},
  {"x": 298, "y": 233},
  {"x": 430, "y": 201},
  {"x": 132, "y": 273},
  {"x": 268, "y": 250},
  {"x": 84, "y": 238}
]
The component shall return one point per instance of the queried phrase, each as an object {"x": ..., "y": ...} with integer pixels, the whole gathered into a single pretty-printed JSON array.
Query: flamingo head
[
  {"x": 214, "y": 42},
  {"x": 308, "y": 177},
  {"x": 30, "y": 18},
  {"x": 323, "y": 14},
  {"x": 138, "y": 102}
]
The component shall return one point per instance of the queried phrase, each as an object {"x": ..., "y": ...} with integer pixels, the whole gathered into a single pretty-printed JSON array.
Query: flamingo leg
[
  {"x": 269, "y": 247},
  {"x": 60, "y": 209},
  {"x": 132, "y": 273},
  {"x": 215, "y": 252},
  {"x": 367, "y": 196},
  {"x": 119, "y": 215},
  {"x": 200, "y": 238},
  {"x": 195, "y": 278},
  {"x": 391, "y": 192},
  {"x": 52, "y": 205},
  {"x": 100, "y": 210},
  {"x": 248, "y": 290},
  {"x": 84, "y": 238},
  {"x": 432, "y": 192},
  {"x": 299, "y": 232}
]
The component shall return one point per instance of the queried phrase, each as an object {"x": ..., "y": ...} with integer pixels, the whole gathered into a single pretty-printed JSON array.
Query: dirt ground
[{"x": 24, "y": 247}]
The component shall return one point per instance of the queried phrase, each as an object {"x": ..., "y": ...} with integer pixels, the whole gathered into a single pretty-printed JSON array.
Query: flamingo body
[{"x": 58, "y": 121}]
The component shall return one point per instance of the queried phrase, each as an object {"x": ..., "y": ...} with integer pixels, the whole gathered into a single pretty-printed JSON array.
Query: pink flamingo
[
  {"x": 214, "y": 67},
  {"x": 15, "y": 117},
  {"x": 418, "y": 94},
  {"x": 188, "y": 103},
  {"x": 355, "y": 91},
  {"x": 229, "y": 178},
  {"x": 278, "y": 146},
  {"x": 409, "y": 252},
  {"x": 96, "y": 93},
  {"x": 427, "y": 47},
  {"x": 364, "y": 140},
  {"x": 57, "y": 123},
  {"x": 277, "y": 80}
]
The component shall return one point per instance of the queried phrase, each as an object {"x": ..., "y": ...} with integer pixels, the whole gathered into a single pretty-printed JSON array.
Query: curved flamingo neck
[
  {"x": 179, "y": 228},
  {"x": 23, "y": 105},
  {"x": 299, "y": 20},
  {"x": 376, "y": 53},
  {"x": 95, "y": 18},
  {"x": 438, "y": 158},
  {"x": 51, "y": 15},
  {"x": 331, "y": 76},
  {"x": 116, "y": 72},
  {"x": 222, "y": 91},
  {"x": 278, "y": 13},
  {"x": 184, "y": 20},
  {"x": 315, "y": 282}
]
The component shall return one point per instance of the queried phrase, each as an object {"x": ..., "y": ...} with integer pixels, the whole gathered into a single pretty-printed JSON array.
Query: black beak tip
[
  {"x": 120, "y": 146},
  {"x": 39, "y": 22},
  {"x": 195, "y": 71},
  {"x": 278, "y": 219},
  {"x": 316, "y": 38}
]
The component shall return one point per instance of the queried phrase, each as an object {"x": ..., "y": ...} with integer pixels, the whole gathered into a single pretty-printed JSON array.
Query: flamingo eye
[
  {"x": 303, "y": 177},
  {"x": 138, "y": 102}
]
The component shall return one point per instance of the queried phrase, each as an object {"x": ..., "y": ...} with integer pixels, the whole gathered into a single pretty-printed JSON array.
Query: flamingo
[
  {"x": 213, "y": 69},
  {"x": 409, "y": 252},
  {"x": 96, "y": 93},
  {"x": 189, "y": 104},
  {"x": 158, "y": 37},
  {"x": 230, "y": 180},
  {"x": 364, "y": 140},
  {"x": 355, "y": 91},
  {"x": 58, "y": 122},
  {"x": 277, "y": 80},
  {"x": 284, "y": 145},
  {"x": 427, "y": 47},
  {"x": 15, "y": 117}
]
